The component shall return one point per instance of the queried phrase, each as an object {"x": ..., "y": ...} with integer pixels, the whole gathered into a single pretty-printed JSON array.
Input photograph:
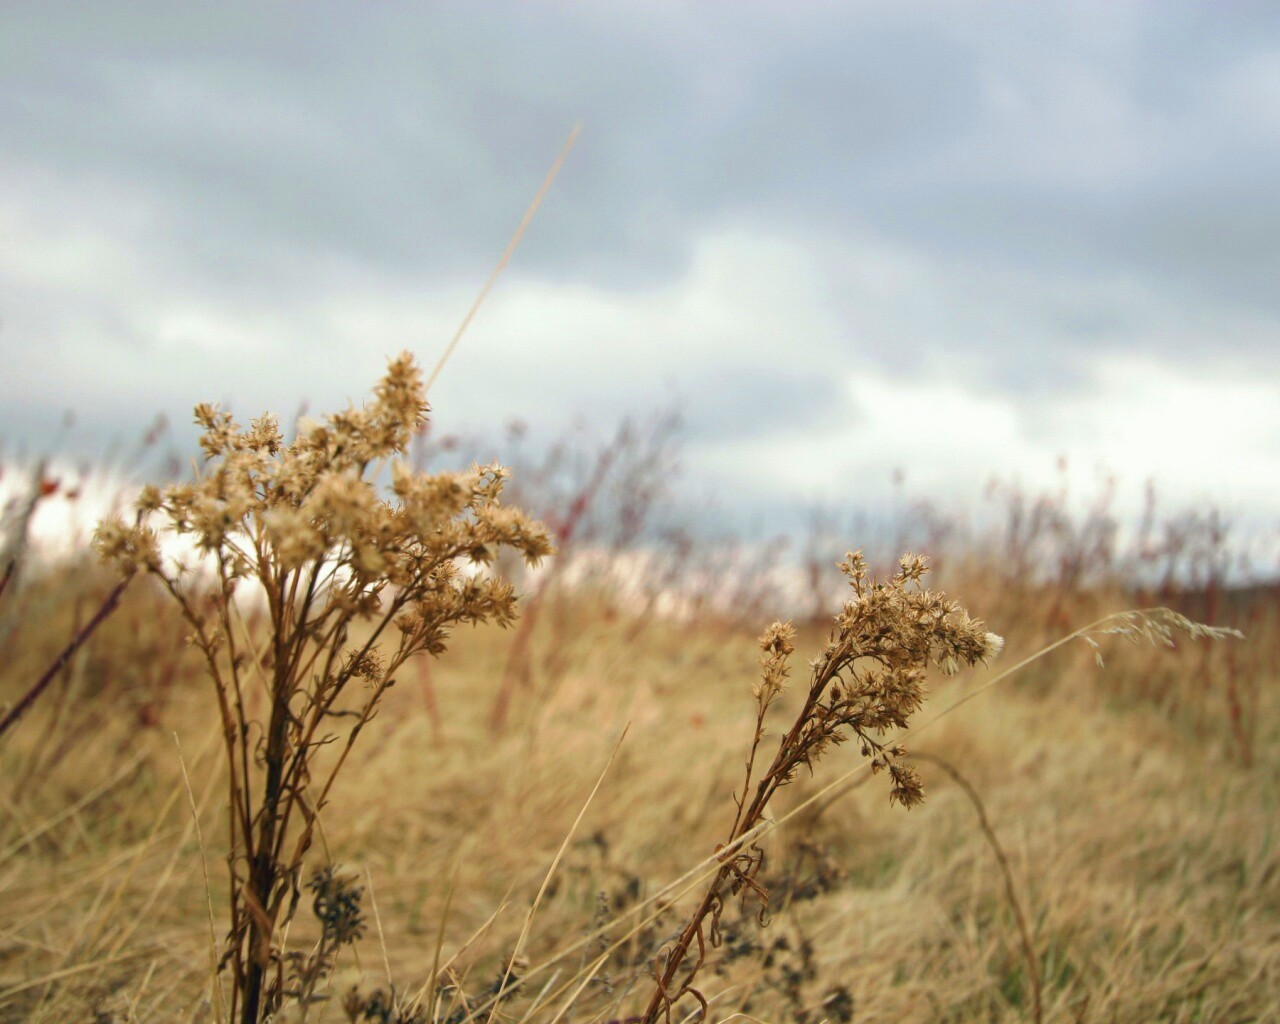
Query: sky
[{"x": 948, "y": 241}]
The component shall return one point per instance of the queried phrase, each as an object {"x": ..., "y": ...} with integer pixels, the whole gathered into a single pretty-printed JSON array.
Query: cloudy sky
[{"x": 957, "y": 239}]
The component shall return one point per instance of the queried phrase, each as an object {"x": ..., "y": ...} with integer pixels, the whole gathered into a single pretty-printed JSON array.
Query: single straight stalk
[{"x": 42, "y": 684}]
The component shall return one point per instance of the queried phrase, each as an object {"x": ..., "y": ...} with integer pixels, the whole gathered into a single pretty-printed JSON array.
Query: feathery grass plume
[
  {"x": 869, "y": 678},
  {"x": 354, "y": 584}
]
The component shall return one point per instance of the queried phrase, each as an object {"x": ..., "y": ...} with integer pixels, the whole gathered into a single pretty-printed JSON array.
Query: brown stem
[
  {"x": 41, "y": 684},
  {"x": 264, "y": 869},
  {"x": 662, "y": 996},
  {"x": 790, "y": 752},
  {"x": 1024, "y": 932}
]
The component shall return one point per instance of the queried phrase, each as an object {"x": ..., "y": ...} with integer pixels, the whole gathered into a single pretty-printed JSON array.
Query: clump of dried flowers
[
  {"x": 355, "y": 581},
  {"x": 868, "y": 679}
]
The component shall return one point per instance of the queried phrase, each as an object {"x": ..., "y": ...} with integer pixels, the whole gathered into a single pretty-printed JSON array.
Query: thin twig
[
  {"x": 1024, "y": 931},
  {"x": 41, "y": 684},
  {"x": 507, "y": 253}
]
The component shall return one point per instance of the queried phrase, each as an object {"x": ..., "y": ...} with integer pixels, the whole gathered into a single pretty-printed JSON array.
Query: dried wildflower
[
  {"x": 306, "y": 524},
  {"x": 868, "y": 679},
  {"x": 336, "y": 904},
  {"x": 777, "y": 643},
  {"x": 380, "y": 1007},
  {"x": 366, "y": 664},
  {"x": 870, "y": 675},
  {"x": 130, "y": 548}
]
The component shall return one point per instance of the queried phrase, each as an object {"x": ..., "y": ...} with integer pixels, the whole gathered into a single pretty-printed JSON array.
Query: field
[{"x": 533, "y": 815}]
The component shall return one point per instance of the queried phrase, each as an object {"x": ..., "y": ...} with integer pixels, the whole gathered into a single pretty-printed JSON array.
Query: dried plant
[
  {"x": 354, "y": 583},
  {"x": 336, "y": 904},
  {"x": 868, "y": 679}
]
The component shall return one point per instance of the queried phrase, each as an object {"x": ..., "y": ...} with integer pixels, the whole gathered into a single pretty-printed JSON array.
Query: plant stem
[{"x": 41, "y": 684}]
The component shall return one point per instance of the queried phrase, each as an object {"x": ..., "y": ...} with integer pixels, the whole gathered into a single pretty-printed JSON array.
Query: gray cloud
[
  {"x": 982, "y": 196},
  {"x": 407, "y": 138}
]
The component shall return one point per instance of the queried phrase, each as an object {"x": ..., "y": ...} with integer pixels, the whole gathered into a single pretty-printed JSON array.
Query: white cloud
[
  {"x": 1207, "y": 434},
  {"x": 1206, "y": 437}
]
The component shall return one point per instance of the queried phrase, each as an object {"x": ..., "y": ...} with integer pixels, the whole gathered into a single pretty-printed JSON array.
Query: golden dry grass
[{"x": 1142, "y": 848}]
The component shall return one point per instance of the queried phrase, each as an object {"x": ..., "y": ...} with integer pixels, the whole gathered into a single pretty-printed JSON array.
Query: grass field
[{"x": 1096, "y": 844}]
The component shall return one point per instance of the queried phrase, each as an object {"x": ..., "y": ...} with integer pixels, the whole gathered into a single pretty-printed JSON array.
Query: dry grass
[{"x": 1129, "y": 822}]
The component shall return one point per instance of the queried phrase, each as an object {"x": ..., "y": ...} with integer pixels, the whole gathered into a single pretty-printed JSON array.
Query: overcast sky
[{"x": 957, "y": 239}]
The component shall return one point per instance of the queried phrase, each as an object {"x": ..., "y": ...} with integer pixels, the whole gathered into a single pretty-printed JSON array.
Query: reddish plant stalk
[{"x": 51, "y": 673}]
